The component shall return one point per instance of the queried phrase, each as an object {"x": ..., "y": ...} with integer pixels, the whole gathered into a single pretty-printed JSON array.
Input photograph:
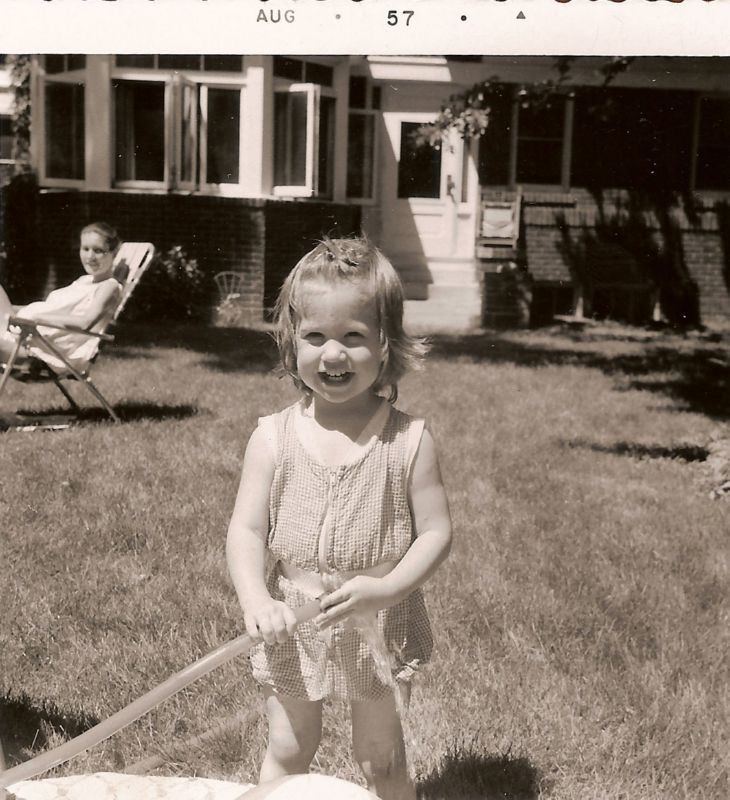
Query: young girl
[
  {"x": 340, "y": 497},
  {"x": 88, "y": 302}
]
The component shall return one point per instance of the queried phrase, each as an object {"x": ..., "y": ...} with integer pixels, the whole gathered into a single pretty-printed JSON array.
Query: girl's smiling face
[
  {"x": 96, "y": 257},
  {"x": 339, "y": 353}
]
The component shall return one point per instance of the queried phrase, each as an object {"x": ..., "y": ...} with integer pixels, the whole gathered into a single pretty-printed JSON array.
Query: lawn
[{"x": 581, "y": 622}]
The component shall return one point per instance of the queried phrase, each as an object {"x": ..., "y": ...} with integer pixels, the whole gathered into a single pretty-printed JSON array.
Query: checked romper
[{"x": 345, "y": 518}]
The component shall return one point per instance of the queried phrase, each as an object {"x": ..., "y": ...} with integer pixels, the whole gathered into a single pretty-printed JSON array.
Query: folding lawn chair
[
  {"x": 130, "y": 264},
  {"x": 230, "y": 284}
]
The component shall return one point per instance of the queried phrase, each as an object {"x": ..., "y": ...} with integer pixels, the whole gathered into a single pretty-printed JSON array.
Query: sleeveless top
[
  {"x": 72, "y": 299},
  {"x": 330, "y": 519}
]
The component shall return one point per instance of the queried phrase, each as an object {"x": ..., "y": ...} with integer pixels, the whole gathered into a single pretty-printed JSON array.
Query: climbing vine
[{"x": 20, "y": 81}]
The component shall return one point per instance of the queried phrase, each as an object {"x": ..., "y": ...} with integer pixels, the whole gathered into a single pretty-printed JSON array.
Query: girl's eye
[
  {"x": 314, "y": 338},
  {"x": 355, "y": 335}
]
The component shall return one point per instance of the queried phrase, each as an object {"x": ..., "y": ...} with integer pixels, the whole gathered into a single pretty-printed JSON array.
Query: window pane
[
  {"x": 326, "y": 155},
  {"x": 178, "y": 62},
  {"x": 540, "y": 143},
  {"x": 419, "y": 168},
  {"x": 222, "y": 63},
  {"x": 290, "y": 68},
  {"x": 76, "y": 61},
  {"x": 54, "y": 64},
  {"x": 376, "y": 97},
  {"x": 224, "y": 125},
  {"x": 6, "y": 137},
  {"x": 494, "y": 144},
  {"x": 539, "y": 161},
  {"x": 360, "y": 154},
  {"x": 140, "y": 131},
  {"x": 290, "y": 138},
  {"x": 632, "y": 138},
  {"x": 64, "y": 130},
  {"x": 147, "y": 62},
  {"x": 358, "y": 91},
  {"x": 188, "y": 122},
  {"x": 318, "y": 73},
  {"x": 713, "y": 155}
]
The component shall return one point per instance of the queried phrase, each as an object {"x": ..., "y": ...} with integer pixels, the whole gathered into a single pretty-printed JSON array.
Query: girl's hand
[
  {"x": 361, "y": 595},
  {"x": 271, "y": 621}
]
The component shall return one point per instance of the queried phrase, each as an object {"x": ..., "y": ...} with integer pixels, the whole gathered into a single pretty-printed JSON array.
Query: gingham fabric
[{"x": 354, "y": 517}]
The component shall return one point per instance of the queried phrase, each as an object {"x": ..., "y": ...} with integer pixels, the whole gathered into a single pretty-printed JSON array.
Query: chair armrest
[{"x": 30, "y": 325}]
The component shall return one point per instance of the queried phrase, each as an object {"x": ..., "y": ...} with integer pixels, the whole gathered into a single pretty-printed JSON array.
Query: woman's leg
[
  {"x": 295, "y": 728},
  {"x": 378, "y": 747}
]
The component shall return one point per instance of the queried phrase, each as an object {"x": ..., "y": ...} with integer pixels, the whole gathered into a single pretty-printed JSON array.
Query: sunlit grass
[{"x": 581, "y": 623}]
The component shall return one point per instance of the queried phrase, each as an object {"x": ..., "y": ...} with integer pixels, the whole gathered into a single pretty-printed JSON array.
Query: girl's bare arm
[{"x": 246, "y": 545}]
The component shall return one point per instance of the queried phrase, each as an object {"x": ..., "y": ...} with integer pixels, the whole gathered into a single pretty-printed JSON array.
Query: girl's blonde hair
[{"x": 353, "y": 259}]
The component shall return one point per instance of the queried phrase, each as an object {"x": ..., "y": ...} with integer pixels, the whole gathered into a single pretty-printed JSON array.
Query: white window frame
[
  {"x": 77, "y": 77},
  {"x": 565, "y": 151},
  {"x": 170, "y": 143},
  {"x": 175, "y": 83},
  {"x": 376, "y": 115},
  {"x": 314, "y": 93}
]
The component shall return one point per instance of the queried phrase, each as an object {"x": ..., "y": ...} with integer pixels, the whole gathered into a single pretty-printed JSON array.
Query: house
[{"x": 611, "y": 199}]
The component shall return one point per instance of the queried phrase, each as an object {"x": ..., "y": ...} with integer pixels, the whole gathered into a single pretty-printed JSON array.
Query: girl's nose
[{"x": 333, "y": 352}]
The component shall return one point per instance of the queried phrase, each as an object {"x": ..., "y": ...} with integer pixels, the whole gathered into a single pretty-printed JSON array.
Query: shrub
[{"x": 174, "y": 288}]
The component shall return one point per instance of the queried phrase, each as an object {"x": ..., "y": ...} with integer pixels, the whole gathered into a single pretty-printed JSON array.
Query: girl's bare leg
[
  {"x": 378, "y": 747},
  {"x": 295, "y": 728}
]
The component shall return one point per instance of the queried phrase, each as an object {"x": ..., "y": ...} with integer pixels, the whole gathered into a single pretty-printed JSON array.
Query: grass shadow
[
  {"x": 466, "y": 774},
  {"x": 128, "y": 412},
  {"x": 685, "y": 453},
  {"x": 26, "y": 725},
  {"x": 223, "y": 349}
]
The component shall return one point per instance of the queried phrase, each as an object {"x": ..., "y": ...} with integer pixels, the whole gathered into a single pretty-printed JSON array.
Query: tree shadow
[
  {"x": 687, "y": 453},
  {"x": 696, "y": 377},
  {"x": 27, "y": 725},
  {"x": 224, "y": 349},
  {"x": 466, "y": 774}
]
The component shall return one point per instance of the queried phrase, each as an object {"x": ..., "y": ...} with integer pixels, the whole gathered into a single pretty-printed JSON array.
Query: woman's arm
[
  {"x": 432, "y": 523},
  {"x": 105, "y": 297},
  {"x": 265, "y": 617}
]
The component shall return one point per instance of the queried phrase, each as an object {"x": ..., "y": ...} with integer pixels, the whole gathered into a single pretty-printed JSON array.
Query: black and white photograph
[{"x": 365, "y": 400}]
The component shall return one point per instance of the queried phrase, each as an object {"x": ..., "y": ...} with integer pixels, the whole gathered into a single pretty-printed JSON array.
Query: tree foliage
[
  {"x": 20, "y": 81},
  {"x": 468, "y": 112}
]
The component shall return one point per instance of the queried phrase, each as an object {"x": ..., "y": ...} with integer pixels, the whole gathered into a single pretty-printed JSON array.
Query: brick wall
[
  {"x": 262, "y": 239},
  {"x": 704, "y": 243},
  {"x": 293, "y": 228}
]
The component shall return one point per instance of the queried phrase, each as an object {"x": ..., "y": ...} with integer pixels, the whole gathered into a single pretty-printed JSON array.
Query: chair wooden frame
[{"x": 131, "y": 262}]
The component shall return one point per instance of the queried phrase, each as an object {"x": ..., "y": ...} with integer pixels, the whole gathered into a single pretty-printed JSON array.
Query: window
[
  {"x": 419, "y": 166},
  {"x": 192, "y": 63},
  {"x": 6, "y": 138},
  {"x": 55, "y": 64},
  {"x": 540, "y": 142},
  {"x": 361, "y": 138},
  {"x": 64, "y": 130},
  {"x": 139, "y": 142},
  {"x": 523, "y": 144},
  {"x": 304, "y": 135},
  {"x": 222, "y": 127},
  {"x": 632, "y": 138},
  {"x": 712, "y": 169},
  {"x": 294, "y": 69}
]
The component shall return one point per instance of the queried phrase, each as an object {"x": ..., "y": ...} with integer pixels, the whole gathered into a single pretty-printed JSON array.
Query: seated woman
[{"x": 88, "y": 303}]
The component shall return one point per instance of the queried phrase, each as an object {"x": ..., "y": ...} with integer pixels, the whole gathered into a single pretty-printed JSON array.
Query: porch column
[
  {"x": 341, "y": 85},
  {"x": 98, "y": 157},
  {"x": 257, "y": 145}
]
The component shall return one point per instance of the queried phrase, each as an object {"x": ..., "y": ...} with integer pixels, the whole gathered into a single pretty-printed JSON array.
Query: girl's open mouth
[{"x": 335, "y": 378}]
